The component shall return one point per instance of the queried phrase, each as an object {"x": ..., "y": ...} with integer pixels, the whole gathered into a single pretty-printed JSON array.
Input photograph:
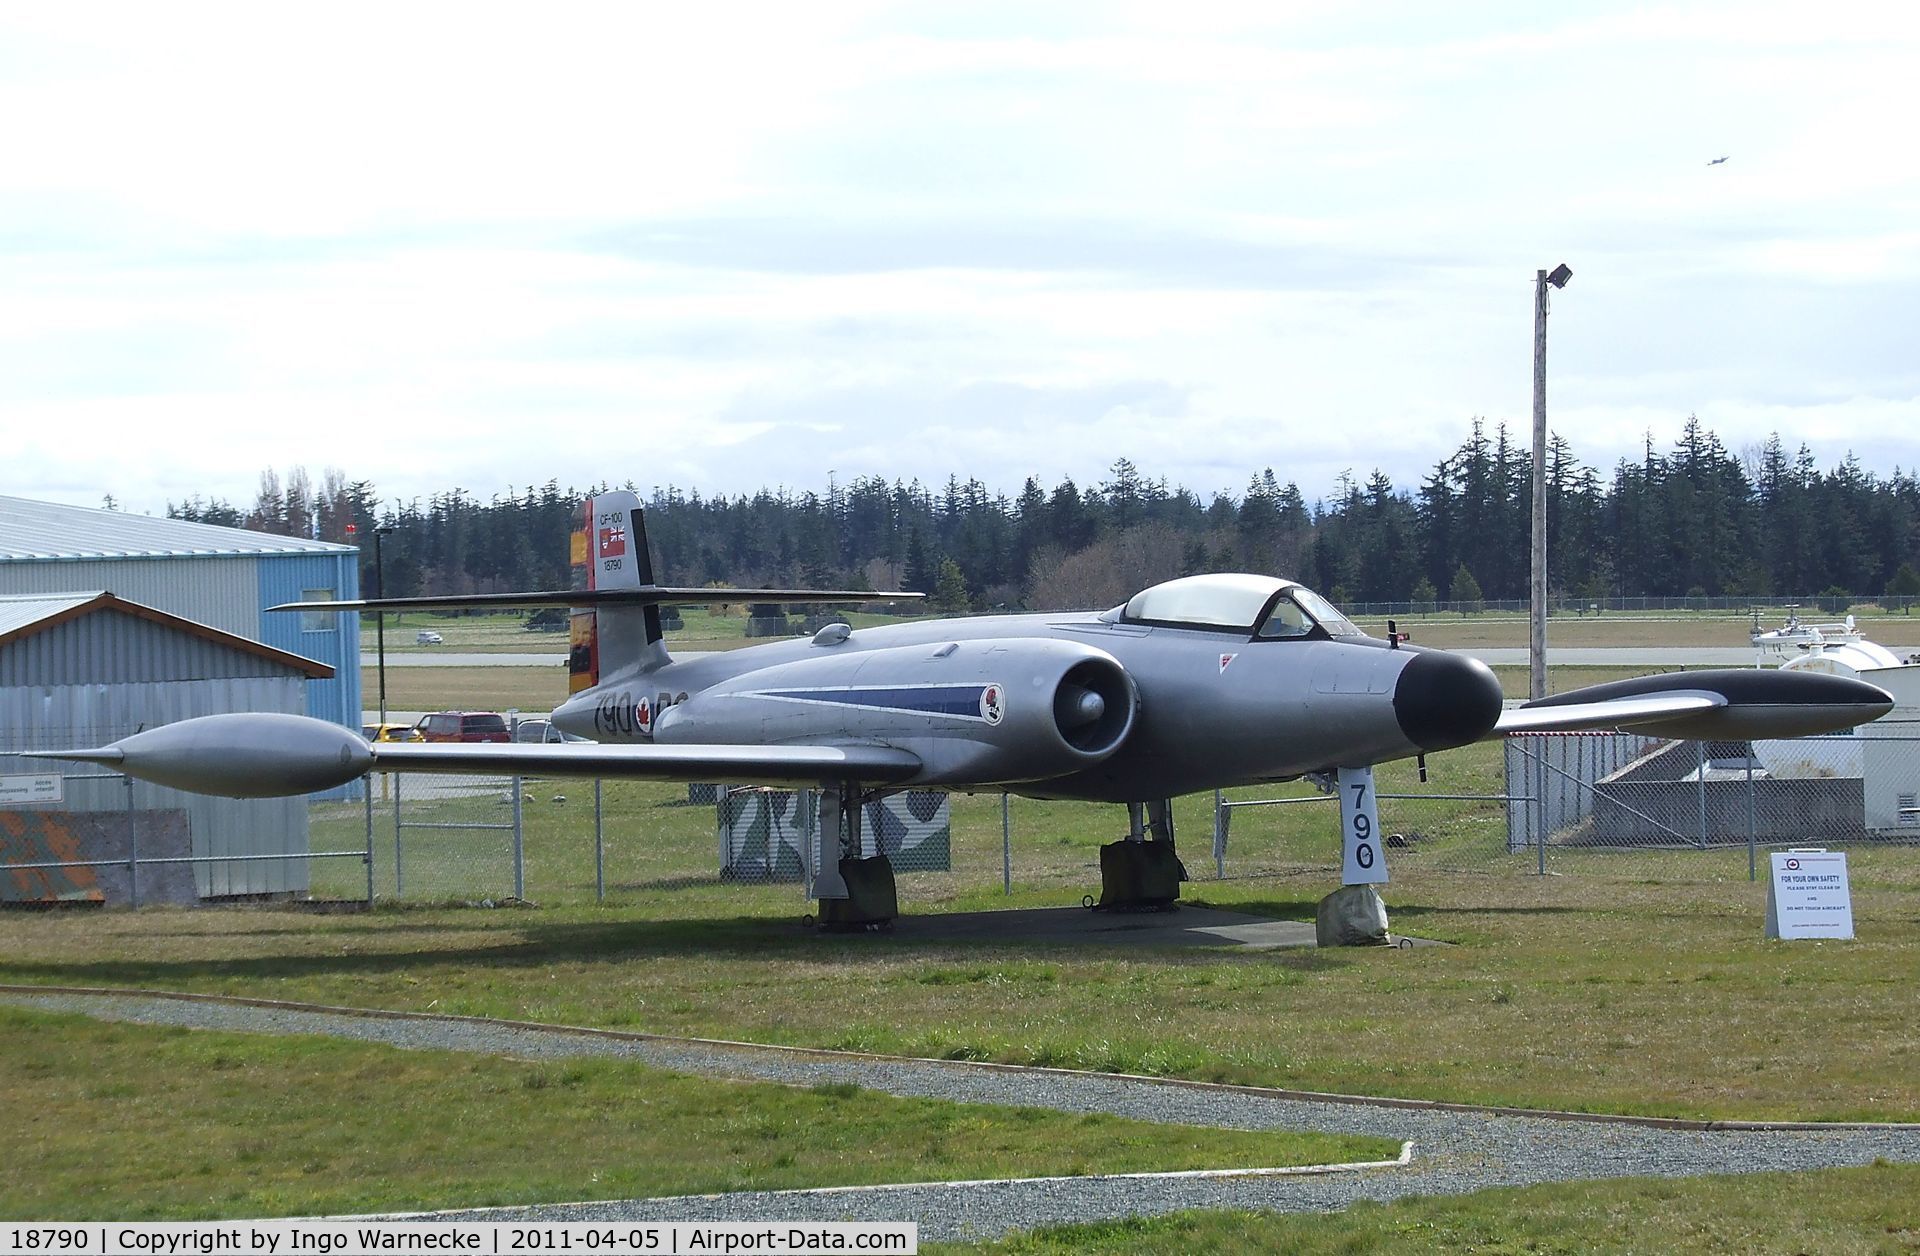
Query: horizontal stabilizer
[
  {"x": 645, "y": 595},
  {"x": 1721, "y": 703}
]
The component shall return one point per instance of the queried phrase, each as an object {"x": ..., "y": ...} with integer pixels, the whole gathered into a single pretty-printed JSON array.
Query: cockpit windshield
[
  {"x": 1268, "y": 608},
  {"x": 1336, "y": 624},
  {"x": 1216, "y": 601}
]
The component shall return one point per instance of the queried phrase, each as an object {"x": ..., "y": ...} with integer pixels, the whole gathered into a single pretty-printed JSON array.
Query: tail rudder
[{"x": 610, "y": 552}]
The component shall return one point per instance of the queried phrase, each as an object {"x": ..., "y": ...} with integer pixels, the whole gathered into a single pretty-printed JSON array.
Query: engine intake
[
  {"x": 1093, "y": 706},
  {"x": 974, "y": 712}
]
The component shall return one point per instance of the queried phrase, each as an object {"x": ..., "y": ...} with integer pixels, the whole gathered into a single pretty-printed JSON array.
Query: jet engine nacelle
[{"x": 1021, "y": 709}]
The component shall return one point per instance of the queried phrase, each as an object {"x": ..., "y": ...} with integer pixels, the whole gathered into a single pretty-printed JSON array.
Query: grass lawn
[
  {"x": 1591, "y": 992},
  {"x": 526, "y": 689},
  {"x": 1641, "y": 984},
  {"x": 135, "y": 1121},
  {"x": 1838, "y": 1211}
]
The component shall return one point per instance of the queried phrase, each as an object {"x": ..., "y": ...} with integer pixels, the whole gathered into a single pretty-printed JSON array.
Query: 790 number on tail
[{"x": 1363, "y": 861}]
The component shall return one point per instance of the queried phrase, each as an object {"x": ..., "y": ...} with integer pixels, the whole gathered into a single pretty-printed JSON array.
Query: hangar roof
[
  {"x": 31, "y": 530},
  {"x": 24, "y": 615}
]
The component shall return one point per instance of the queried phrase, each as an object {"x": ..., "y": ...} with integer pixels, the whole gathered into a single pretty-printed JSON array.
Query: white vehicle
[{"x": 426, "y": 636}]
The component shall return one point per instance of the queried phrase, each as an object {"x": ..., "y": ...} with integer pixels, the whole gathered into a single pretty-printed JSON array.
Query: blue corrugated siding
[{"x": 284, "y": 578}]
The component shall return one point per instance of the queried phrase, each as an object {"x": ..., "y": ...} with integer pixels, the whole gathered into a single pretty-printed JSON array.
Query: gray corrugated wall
[
  {"x": 221, "y": 592},
  {"x": 111, "y": 647},
  {"x": 73, "y": 716}
]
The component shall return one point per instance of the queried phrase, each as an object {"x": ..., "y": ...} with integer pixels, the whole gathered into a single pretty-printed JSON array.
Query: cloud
[
  {"x": 1120, "y": 250},
  {"x": 439, "y": 246}
]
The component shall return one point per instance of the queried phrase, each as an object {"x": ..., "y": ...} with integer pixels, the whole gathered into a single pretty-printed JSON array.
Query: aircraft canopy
[{"x": 1240, "y": 603}]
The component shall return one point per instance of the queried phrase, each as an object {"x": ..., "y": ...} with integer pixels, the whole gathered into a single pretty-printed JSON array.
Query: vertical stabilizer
[{"x": 610, "y": 552}]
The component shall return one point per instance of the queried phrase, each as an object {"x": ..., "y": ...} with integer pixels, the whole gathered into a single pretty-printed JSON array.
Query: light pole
[
  {"x": 380, "y": 624},
  {"x": 1537, "y": 610}
]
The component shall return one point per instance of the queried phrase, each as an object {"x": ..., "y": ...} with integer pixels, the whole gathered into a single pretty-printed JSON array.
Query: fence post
[
  {"x": 519, "y": 847},
  {"x": 133, "y": 850},
  {"x": 399, "y": 882},
  {"x": 1006, "y": 842},
  {"x": 1701, "y": 747},
  {"x": 1539, "y": 791},
  {"x": 1753, "y": 872},
  {"x": 599, "y": 845},
  {"x": 369, "y": 858},
  {"x": 1219, "y": 835}
]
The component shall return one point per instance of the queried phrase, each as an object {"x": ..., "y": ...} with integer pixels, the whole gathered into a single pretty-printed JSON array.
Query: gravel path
[{"x": 1454, "y": 1152}]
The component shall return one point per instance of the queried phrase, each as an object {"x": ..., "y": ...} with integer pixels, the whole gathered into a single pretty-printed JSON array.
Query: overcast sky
[{"x": 727, "y": 246}]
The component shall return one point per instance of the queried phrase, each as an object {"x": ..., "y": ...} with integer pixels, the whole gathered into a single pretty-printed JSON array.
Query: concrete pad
[{"x": 1077, "y": 926}]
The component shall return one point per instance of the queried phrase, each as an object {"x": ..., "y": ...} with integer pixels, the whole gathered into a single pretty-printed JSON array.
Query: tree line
[{"x": 1693, "y": 520}]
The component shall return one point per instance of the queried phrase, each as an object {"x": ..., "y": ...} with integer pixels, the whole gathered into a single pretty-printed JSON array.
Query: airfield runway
[{"x": 1455, "y": 1150}]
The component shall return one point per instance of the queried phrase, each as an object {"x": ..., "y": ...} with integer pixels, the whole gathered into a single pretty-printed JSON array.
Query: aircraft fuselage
[{"x": 1217, "y": 709}]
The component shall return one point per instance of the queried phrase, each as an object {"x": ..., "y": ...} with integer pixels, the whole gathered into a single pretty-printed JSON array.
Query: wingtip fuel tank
[{"x": 241, "y": 755}]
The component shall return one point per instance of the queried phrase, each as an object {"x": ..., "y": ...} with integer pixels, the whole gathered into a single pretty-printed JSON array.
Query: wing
[
  {"x": 1616, "y": 713},
  {"x": 793, "y": 765},
  {"x": 1730, "y": 703},
  {"x": 273, "y": 755},
  {"x": 645, "y": 595}
]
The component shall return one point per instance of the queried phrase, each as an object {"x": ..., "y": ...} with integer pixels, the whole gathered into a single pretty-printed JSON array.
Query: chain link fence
[
  {"x": 1591, "y": 805},
  {"x": 78, "y": 833}
]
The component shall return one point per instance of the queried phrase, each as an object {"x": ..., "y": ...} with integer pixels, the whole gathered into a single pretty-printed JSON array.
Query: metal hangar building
[
  {"x": 84, "y": 669},
  {"x": 222, "y": 578}
]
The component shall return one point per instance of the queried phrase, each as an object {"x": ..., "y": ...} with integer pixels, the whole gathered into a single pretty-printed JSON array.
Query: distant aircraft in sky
[
  {"x": 1716, "y": 161},
  {"x": 1200, "y": 683}
]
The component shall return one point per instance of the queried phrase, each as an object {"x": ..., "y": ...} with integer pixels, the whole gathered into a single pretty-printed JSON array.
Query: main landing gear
[
  {"x": 856, "y": 894},
  {"x": 1141, "y": 872}
]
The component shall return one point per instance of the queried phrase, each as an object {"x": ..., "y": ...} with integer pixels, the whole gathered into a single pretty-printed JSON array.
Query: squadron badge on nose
[{"x": 990, "y": 708}]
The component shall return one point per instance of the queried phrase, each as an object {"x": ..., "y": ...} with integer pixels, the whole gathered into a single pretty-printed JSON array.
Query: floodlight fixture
[{"x": 1559, "y": 275}]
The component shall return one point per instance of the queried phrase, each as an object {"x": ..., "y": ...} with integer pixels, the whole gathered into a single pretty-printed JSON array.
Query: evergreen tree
[
  {"x": 950, "y": 589},
  {"x": 1464, "y": 589},
  {"x": 1123, "y": 494},
  {"x": 923, "y": 572}
]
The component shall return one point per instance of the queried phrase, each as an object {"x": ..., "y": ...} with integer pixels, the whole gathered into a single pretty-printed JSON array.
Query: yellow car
[{"x": 390, "y": 732}]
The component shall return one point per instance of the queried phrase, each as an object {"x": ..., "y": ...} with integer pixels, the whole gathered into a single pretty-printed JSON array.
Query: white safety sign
[
  {"x": 1365, "y": 861},
  {"x": 1808, "y": 895},
  {"x": 15, "y": 790}
]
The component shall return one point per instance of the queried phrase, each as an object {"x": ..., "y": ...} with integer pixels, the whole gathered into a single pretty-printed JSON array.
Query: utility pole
[{"x": 1537, "y": 608}]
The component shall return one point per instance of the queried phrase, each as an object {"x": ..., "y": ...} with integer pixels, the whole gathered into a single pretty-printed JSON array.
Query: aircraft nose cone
[{"x": 1444, "y": 700}]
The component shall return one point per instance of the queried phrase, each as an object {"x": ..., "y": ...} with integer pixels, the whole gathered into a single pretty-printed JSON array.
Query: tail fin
[{"x": 610, "y": 552}]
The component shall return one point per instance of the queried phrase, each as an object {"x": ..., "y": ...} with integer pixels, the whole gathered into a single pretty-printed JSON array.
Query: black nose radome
[{"x": 1444, "y": 700}]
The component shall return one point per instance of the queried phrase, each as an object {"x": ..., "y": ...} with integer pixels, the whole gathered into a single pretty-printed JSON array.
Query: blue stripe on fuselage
[{"x": 957, "y": 700}]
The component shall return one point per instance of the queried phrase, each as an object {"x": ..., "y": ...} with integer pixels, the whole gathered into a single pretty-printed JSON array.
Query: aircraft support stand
[
  {"x": 855, "y": 893},
  {"x": 1141, "y": 872},
  {"x": 1355, "y": 914}
]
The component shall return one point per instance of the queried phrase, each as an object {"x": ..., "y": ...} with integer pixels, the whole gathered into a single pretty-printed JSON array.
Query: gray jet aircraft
[{"x": 1200, "y": 683}]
